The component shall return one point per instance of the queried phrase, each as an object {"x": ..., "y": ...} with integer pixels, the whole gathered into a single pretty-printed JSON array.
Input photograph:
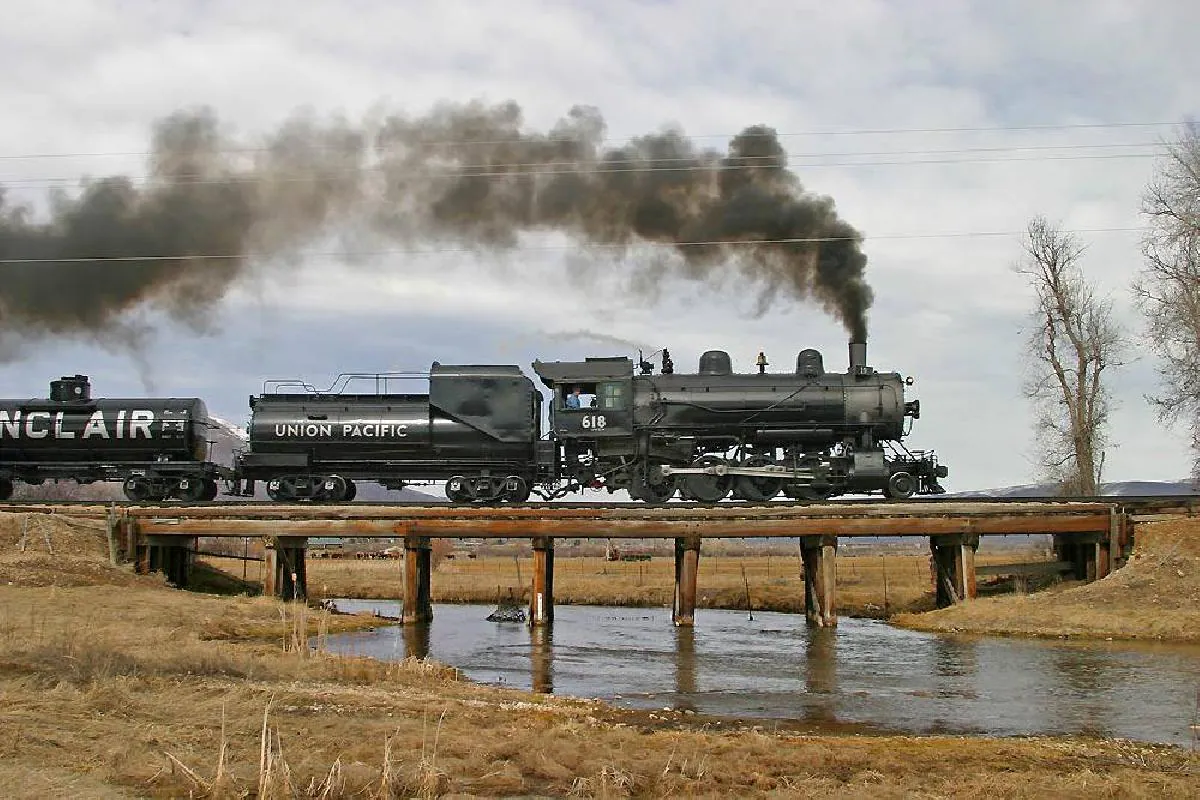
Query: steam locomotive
[{"x": 703, "y": 436}]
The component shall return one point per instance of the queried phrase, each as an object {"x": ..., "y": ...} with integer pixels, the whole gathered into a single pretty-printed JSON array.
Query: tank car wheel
[
  {"x": 459, "y": 490},
  {"x": 276, "y": 490},
  {"x": 707, "y": 488},
  {"x": 516, "y": 489},
  {"x": 139, "y": 490},
  {"x": 190, "y": 490},
  {"x": 6, "y": 488},
  {"x": 900, "y": 486},
  {"x": 211, "y": 490},
  {"x": 351, "y": 491},
  {"x": 753, "y": 488}
]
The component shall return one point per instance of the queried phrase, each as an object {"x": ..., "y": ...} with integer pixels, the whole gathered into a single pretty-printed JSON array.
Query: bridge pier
[
  {"x": 687, "y": 566},
  {"x": 953, "y": 558},
  {"x": 285, "y": 572},
  {"x": 171, "y": 556},
  {"x": 1091, "y": 554},
  {"x": 541, "y": 598},
  {"x": 819, "y": 554},
  {"x": 418, "y": 606}
]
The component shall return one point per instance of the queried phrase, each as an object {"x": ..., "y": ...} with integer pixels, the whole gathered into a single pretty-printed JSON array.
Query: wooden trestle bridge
[{"x": 1091, "y": 537}]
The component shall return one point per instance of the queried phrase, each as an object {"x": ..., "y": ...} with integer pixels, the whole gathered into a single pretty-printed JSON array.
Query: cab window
[
  {"x": 612, "y": 396},
  {"x": 571, "y": 400}
]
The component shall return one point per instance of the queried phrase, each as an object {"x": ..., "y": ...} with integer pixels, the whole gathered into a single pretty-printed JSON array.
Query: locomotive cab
[{"x": 591, "y": 399}]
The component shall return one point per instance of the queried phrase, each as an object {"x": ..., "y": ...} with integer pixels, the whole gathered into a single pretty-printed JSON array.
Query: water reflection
[
  {"x": 820, "y": 674},
  {"x": 862, "y": 673},
  {"x": 542, "y": 658},
  {"x": 416, "y": 639},
  {"x": 685, "y": 668}
]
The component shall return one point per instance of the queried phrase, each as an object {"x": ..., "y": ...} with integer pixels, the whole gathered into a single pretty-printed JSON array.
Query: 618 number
[{"x": 594, "y": 422}]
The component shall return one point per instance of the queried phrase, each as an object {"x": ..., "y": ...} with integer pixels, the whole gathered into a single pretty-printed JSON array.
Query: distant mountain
[{"x": 1115, "y": 489}]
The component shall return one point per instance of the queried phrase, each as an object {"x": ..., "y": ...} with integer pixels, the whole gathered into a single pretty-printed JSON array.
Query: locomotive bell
[{"x": 762, "y": 362}]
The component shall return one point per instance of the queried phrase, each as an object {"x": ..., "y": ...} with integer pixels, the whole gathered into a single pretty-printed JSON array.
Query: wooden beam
[{"x": 631, "y": 528}]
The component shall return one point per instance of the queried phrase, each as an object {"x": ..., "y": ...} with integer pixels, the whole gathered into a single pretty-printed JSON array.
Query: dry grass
[{"x": 1154, "y": 596}]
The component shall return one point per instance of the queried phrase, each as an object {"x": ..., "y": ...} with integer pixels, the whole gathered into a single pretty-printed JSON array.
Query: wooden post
[
  {"x": 285, "y": 571},
  {"x": 541, "y": 599},
  {"x": 820, "y": 579},
  {"x": 954, "y": 567},
  {"x": 687, "y": 566},
  {"x": 418, "y": 607}
]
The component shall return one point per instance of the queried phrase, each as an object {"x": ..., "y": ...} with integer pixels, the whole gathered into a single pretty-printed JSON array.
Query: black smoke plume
[{"x": 209, "y": 208}]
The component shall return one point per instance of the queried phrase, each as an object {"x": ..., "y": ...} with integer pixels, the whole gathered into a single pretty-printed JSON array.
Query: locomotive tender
[{"x": 705, "y": 436}]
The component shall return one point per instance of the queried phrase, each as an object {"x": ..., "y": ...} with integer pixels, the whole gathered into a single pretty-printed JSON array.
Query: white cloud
[{"x": 85, "y": 78}]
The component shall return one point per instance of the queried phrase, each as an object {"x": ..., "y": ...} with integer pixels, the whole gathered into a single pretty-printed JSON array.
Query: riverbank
[
  {"x": 117, "y": 686},
  {"x": 1154, "y": 596}
]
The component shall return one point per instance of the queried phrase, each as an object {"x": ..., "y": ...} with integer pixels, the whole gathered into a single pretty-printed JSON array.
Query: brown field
[
  {"x": 1154, "y": 596},
  {"x": 115, "y": 685},
  {"x": 867, "y": 585}
]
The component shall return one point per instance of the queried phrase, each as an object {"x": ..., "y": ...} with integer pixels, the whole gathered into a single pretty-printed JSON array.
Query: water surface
[{"x": 862, "y": 673}]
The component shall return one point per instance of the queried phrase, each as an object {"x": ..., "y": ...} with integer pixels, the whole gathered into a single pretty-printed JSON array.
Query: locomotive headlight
[{"x": 908, "y": 381}]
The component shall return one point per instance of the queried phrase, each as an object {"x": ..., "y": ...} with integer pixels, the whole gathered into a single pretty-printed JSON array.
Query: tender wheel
[
  {"x": 459, "y": 490},
  {"x": 900, "y": 485},
  {"x": 351, "y": 491},
  {"x": 139, "y": 490},
  {"x": 190, "y": 490},
  {"x": 277, "y": 490},
  {"x": 210, "y": 490},
  {"x": 516, "y": 490},
  {"x": 333, "y": 488},
  {"x": 707, "y": 488}
]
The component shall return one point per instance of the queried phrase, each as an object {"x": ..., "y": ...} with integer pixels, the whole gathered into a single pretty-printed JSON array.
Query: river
[{"x": 864, "y": 674}]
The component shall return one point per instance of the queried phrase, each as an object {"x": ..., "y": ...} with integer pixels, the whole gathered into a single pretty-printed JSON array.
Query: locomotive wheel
[
  {"x": 139, "y": 490},
  {"x": 900, "y": 486},
  {"x": 190, "y": 490},
  {"x": 516, "y": 489},
  {"x": 756, "y": 489},
  {"x": 707, "y": 488},
  {"x": 459, "y": 490},
  {"x": 647, "y": 492},
  {"x": 6, "y": 488}
]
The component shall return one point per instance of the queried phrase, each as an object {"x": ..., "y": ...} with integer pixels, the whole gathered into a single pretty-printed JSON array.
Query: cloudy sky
[{"x": 938, "y": 128}]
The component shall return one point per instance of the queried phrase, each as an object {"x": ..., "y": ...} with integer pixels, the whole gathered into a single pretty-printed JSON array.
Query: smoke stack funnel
[{"x": 858, "y": 359}]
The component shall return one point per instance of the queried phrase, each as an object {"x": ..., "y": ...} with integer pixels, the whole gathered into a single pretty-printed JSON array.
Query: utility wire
[
  {"x": 529, "y": 140},
  {"x": 516, "y": 170},
  {"x": 559, "y": 248}
]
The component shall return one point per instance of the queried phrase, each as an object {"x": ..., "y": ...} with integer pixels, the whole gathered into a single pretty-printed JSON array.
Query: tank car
[
  {"x": 477, "y": 428},
  {"x": 714, "y": 433},
  {"x": 158, "y": 447}
]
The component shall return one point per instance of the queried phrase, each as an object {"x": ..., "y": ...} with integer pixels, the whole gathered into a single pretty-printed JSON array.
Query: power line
[
  {"x": 532, "y": 140},
  {"x": 510, "y": 171},
  {"x": 558, "y": 248}
]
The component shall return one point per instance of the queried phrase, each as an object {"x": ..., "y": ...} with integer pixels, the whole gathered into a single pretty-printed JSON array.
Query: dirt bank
[{"x": 1154, "y": 596}]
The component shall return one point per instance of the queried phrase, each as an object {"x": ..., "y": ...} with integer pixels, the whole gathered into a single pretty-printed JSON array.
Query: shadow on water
[{"x": 863, "y": 674}]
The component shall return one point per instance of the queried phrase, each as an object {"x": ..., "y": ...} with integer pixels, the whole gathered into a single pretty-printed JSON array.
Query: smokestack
[{"x": 858, "y": 358}]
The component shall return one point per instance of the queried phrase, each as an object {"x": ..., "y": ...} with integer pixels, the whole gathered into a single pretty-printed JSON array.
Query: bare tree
[
  {"x": 1073, "y": 341},
  {"x": 1168, "y": 289}
]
